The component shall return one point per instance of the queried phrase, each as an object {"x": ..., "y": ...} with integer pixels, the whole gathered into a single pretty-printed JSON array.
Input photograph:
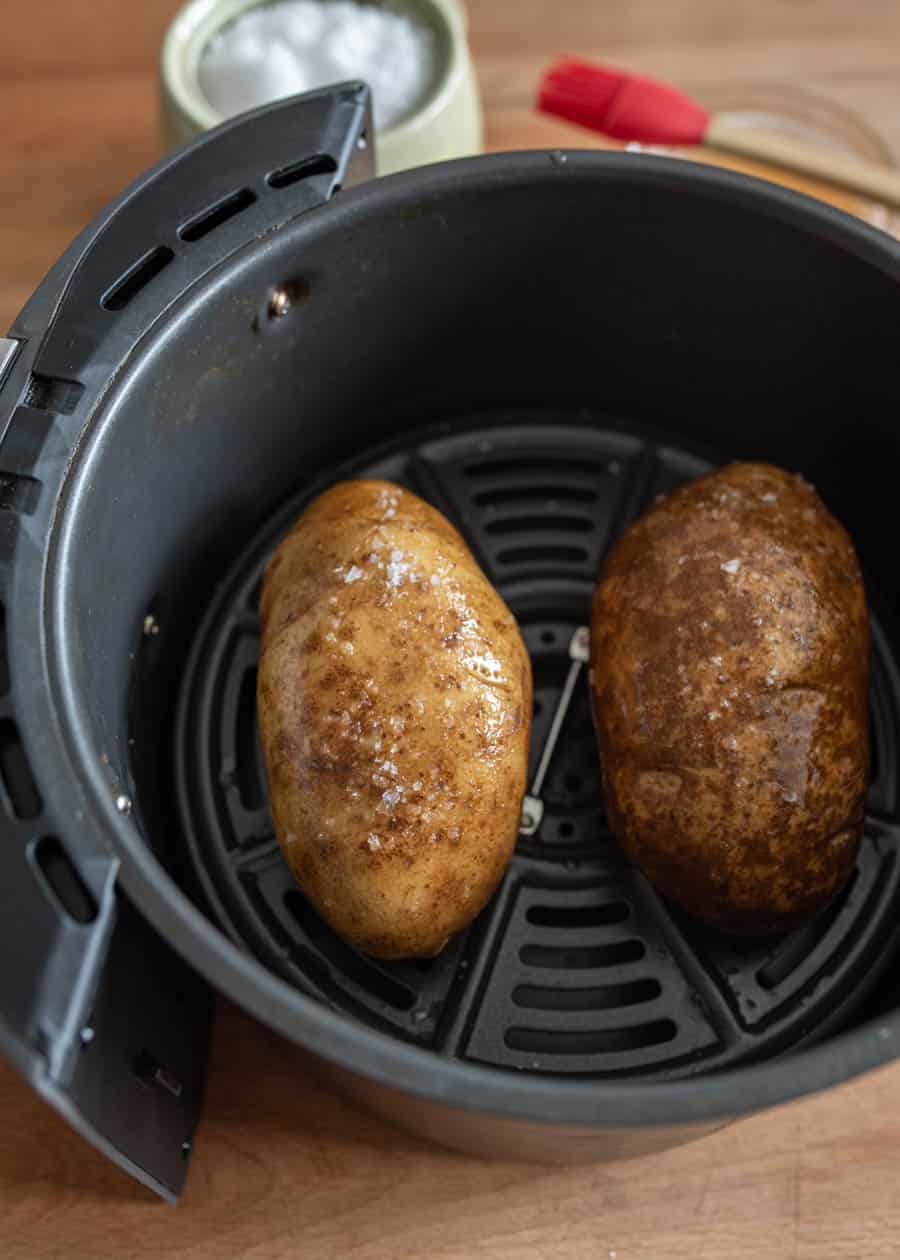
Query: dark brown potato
[
  {"x": 729, "y": 677},
  {"x": 394, "y": 702}
]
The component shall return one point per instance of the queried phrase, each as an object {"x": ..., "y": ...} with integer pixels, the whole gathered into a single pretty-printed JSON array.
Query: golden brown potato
[
  {"x": 394, "y": 703},
  {"x": 729, "y": 675}
]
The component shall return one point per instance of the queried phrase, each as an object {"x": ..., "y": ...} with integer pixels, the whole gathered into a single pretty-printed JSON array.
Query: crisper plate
[{"x": 576, "y": 965}]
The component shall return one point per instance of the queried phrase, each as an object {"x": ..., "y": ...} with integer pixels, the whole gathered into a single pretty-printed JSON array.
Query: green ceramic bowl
[{"x": 446, "y": 125}]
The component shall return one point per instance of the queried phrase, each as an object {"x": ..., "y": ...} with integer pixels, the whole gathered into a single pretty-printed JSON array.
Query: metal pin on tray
[{"x": 532, "y": 805}]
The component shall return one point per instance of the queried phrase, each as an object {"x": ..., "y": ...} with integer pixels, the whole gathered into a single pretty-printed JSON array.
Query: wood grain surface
[{"x": 284, "y": 1168}]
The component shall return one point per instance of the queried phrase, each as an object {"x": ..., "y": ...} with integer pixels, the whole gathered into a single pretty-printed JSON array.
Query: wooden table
[{"x": 283, "y": 1167}]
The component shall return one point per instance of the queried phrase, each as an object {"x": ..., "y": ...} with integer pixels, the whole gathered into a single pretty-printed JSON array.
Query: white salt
[
  {"x": 276, "y": 50},
  {"x": 399, "y": 568},
  {"x": 731, "y": 566}
]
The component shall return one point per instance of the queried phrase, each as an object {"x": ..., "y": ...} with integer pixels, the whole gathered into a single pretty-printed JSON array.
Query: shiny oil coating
[
  {"x": 729, "y": 675},
  {"x": 394, "y": 700}
]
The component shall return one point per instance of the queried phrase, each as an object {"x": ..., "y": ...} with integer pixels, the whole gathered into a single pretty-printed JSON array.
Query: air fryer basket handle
[
  {"x": 191, "y": 211},
  {"x": 98, "y": 1012}
]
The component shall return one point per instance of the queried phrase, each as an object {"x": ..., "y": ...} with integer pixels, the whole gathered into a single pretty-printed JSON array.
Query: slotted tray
[{"x": 576, "y": 966}]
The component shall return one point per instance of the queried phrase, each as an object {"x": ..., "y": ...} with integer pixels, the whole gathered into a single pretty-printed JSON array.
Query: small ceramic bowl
[{"x": 447, "y": 124}]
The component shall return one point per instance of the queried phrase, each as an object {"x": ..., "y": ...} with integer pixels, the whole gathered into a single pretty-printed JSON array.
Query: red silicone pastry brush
[{"x": 630, "y": 107}]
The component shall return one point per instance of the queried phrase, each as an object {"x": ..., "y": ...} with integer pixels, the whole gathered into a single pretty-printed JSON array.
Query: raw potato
[
  {"x": 729, "y": 675},
  {"x": 394, "y": 701}
]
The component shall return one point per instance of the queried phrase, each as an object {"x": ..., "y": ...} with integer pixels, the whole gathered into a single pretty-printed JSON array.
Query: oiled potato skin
[
  {"x": 729, "y": 676},
  {"x": 394, "y": 701}
]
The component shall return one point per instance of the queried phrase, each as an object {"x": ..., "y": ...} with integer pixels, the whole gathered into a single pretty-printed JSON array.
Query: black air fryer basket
[{"x": 538, "y": 344}]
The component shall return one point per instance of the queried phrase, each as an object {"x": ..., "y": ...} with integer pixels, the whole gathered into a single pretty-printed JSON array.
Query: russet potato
[
  {"x": 394, "y": 702},
  {"x": 729, "y": 675}
]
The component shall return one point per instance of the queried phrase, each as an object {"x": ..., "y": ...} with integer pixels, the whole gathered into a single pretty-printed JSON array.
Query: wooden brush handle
[{"x": 865, "y": 177}]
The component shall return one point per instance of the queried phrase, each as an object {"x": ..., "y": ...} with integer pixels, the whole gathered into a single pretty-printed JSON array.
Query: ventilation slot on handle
[
  {"x": 66, "y": 886},
  {"x": 21, "y": 789},
  {"x": 306, "y": 168},
  {"x": 214, "y": 216},
  {"x": 137, "y": 278}
]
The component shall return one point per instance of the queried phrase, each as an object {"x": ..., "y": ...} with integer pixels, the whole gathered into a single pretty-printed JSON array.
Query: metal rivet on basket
[{"x": 279, "y": 303}]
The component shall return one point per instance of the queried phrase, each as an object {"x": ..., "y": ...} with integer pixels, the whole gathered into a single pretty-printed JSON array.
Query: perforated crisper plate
[{"x": 576, "y": 966}]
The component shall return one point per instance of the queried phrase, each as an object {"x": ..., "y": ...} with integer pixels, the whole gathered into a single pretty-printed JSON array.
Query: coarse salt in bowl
[{"x": 221, "y": 57}]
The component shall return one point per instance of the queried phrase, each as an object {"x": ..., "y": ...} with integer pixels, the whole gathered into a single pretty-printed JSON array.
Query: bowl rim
[
  {"x": 335, "y": 1037},
  {"x": 198, "y": 21}
]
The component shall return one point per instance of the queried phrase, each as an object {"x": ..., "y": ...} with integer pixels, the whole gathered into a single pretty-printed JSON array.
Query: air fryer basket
[{"x": 538, "y": 344}]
